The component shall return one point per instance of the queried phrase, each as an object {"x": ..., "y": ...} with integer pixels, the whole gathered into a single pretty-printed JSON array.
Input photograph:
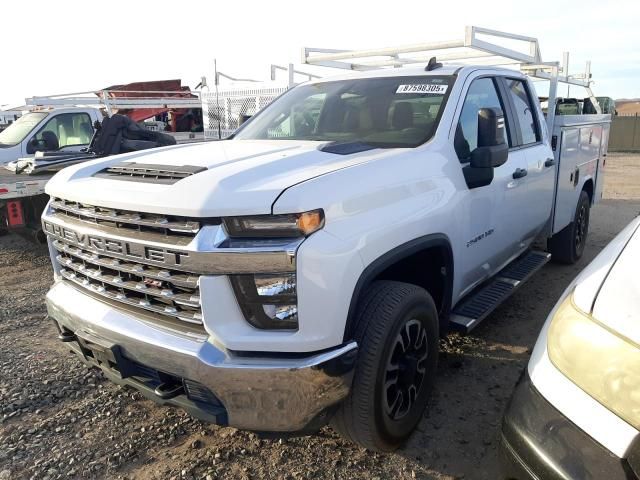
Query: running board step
[{"x": 484, "y": 300}]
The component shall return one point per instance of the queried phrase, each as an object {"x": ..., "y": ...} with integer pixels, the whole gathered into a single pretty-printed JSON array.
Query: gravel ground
[{"x": 60, "y": 420}]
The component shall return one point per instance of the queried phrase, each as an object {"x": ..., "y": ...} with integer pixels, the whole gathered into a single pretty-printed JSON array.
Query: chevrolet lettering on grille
[{"x": 112, "y": 246}]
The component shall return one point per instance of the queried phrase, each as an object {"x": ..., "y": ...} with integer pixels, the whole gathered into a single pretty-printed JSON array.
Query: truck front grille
[
  {"x": 165, "y": 292},
  {"x": 125, "y": 219}
]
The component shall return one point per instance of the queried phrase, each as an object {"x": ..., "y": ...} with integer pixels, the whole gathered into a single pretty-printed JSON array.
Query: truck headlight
[
  {"x": 603, "y": 363},
  {"x": 268, "y": 301},
  {"x": 287, "y": 225}
]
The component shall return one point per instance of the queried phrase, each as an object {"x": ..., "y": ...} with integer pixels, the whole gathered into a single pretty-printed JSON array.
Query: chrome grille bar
[
  {"x": 124, "y": 218},
  {"x": 177, "y": 253},
  {"x": 96, "y": 273},
  {"x": 177, "y": 278},
  {"x": 149, "y": 304}
]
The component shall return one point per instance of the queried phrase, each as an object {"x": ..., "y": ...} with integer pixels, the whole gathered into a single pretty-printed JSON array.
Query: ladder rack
[
  {"x": 480, "y": 46},
  {"x": 116, "y": 99}
]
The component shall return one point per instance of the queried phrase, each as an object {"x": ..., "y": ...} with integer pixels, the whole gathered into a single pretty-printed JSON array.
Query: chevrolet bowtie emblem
[{"x": 152, "y": 282}]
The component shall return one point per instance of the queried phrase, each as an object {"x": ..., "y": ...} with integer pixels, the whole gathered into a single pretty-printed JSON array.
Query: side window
[
  {"x": 481, "y": 94},
  {"x": 523, "y": 110},
  {"x": 64, "y": 130}
]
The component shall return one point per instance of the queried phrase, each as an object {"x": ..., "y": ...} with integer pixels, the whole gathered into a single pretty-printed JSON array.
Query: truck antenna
[{"x": 432, "y": 65}]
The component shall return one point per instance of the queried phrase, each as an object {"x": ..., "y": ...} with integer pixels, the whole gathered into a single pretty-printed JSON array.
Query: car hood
[
  {"x": 617, "y": 304},
  {"x": 598, "y": 283},
  {"x": 9, "y": 153},
  {"x": 241, "y": 177}
]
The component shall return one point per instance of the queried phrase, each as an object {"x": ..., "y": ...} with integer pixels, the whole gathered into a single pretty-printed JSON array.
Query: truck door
[
  {"x": 528, "y": 138},
  {"x": 489, "y": 222},
  {"x": 63, "y": 132}
]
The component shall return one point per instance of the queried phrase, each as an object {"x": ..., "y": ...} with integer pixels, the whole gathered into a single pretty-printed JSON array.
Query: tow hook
[
  {"x": 167, "y": 391},
  {"x": 64, "y": 335},
  {"x": 67, "y": 336}
]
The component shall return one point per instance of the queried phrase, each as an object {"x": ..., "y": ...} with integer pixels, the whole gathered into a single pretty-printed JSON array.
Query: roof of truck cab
[
  {"x": 448, "y": 69},
  {"x": 83, "y": 108}
]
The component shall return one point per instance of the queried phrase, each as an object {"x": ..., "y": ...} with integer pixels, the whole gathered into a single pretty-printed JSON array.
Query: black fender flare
[{"x": 380, "y": 264}]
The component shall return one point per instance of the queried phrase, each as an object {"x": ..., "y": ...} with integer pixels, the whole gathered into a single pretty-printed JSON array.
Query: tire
[
  {"x": 567, "y": 246},
  {"x": 388, "y": 315}
]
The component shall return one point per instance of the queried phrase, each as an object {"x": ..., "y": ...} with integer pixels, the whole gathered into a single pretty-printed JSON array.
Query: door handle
[
  {"x": 549, "y": 162},
  {"x": 519, "y": 173}
]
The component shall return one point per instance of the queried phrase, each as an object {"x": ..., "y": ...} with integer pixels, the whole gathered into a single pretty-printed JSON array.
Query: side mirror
[
  {"x": 243, "y": 118},
  {"x": 492, "y": 151}
]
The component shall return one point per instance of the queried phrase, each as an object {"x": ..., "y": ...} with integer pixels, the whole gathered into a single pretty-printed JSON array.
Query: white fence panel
[{"x": 222, "y": 112}]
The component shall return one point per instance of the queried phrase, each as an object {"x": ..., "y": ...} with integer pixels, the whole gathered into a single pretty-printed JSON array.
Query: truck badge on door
[{"x": 479, "y": 237}]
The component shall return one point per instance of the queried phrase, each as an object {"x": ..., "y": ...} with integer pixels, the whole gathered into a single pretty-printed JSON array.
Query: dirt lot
[{"x": 59, "y": 420}]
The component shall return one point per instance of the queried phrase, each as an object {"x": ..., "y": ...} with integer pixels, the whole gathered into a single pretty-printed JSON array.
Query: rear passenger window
[
  {"x": 482, "y": 94},
  {"x": 524, "y": 110}
]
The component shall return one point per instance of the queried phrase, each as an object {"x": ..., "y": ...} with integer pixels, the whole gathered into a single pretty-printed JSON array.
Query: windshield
[
  {"x": 384, "y": 112},
  {"x": 18, "y": 130}
]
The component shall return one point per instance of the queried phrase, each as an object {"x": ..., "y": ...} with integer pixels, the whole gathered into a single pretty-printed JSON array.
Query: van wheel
[
  {"x": 567, "y": 246},
  {"x": 397, "y": 335}
]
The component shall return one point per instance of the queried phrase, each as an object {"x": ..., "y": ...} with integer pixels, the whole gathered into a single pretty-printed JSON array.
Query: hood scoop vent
[
  {"x": 148, "y": 173},
  {"x": 346, "y": 148}
]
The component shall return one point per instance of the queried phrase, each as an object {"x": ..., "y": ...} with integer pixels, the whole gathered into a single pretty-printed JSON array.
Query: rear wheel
[
  {"x": 397, "y": 335},
  {"x": 567, "y": 246}
]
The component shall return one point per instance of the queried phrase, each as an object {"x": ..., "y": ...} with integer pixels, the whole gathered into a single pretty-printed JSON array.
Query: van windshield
[
  {"x": 385, "y": 112},
  {"x": 18, "y": 130}
]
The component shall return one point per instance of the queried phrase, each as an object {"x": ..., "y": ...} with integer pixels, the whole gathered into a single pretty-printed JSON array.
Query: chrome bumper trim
[{"x": 263, "y": 393}]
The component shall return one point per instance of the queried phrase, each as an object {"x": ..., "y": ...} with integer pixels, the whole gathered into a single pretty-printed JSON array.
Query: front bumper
[
  {"x": 539, "y": 442},
  {"x": 268, "y": 392}
]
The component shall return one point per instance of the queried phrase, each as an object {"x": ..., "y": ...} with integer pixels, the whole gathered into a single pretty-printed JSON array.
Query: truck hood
[
  {"x": 9, "y": 153},
  {"x": 241, "y": 177}
]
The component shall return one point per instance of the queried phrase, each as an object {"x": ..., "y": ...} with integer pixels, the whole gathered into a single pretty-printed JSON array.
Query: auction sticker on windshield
[{"x": 422, "y": 88}]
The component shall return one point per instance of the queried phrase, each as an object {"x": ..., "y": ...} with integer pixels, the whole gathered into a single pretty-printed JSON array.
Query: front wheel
[
  {"x": 567, "y": 246},
  {"x": 397, "y": 335}
]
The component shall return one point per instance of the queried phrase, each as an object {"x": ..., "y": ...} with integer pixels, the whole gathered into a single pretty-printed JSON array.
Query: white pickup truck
[
  {"x": 55, "y": 131},
  {"x": 303, "y": 270}
]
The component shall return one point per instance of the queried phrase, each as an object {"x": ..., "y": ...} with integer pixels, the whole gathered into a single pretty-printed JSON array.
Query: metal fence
[
  {"x": 625, "y": 134},
  {"x": 222, "y": 112}
]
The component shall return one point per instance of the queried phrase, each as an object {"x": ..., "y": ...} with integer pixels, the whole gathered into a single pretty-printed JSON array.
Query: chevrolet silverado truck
[{"x": 302, "y": 271}]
